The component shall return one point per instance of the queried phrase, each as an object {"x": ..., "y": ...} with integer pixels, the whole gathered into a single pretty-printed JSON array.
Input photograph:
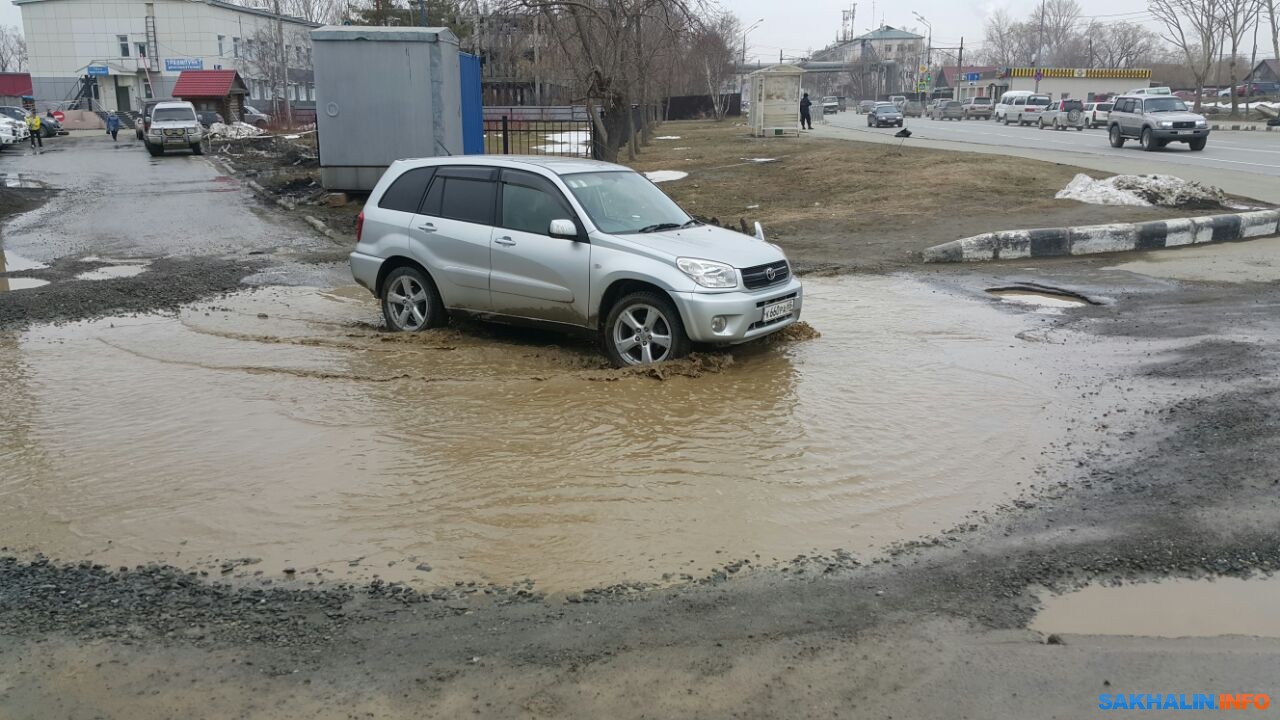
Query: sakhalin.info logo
[{"x": 1184, "y": 701}]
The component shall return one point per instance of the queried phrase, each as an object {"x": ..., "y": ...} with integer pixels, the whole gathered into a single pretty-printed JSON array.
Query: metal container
[{"x": 383, "y": 94}]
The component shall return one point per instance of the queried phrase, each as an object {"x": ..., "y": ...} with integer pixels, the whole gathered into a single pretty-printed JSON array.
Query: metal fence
[{"x": 525, "y": 135}]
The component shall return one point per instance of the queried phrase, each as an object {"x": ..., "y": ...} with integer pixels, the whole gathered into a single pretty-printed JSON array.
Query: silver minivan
[
  {"x": 572, "y": 244},
  {"x": 1020, "y": 106}
]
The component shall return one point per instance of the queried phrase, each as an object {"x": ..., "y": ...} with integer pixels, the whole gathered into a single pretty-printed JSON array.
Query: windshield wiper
[
  {"x": 691, "y": 223},
  {"x": 660, "y": 226}
]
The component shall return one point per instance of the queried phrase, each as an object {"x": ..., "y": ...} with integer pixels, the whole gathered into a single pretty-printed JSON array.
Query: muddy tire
[
  {"x": 410, "y": 302},
  {"x": 1147, "y": 140},
  {"x": 1117, "y": 140},
  {"x": 644, "y": 327}
]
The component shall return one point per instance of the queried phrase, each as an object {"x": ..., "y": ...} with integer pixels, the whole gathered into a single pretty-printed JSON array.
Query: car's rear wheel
[
  {"x": 410, "y": 302},
  {"x": 1006, "y": 120},
  {"x": 1147, "y": 140},
  {"x": 644, "y": 327},
  {"x": 1117, "y": 140}
]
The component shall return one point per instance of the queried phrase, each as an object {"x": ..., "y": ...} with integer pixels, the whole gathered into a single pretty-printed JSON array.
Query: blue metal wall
[{"x": 472, "y": 105}]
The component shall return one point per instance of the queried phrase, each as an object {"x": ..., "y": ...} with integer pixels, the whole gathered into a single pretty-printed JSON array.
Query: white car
[
  {"x": 12, "y": 131},
  {"x": 1096, "y": 114}
]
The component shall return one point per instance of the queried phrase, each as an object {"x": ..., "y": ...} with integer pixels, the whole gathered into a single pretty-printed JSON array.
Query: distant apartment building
[
  {"x": 885, "y": 61},
  {"x": 120, "y": 53}
]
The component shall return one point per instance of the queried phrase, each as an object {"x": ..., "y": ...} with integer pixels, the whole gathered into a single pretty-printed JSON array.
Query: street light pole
[
  {"x": 928, "y": 53},
  {"x": 754, "y": 25}
]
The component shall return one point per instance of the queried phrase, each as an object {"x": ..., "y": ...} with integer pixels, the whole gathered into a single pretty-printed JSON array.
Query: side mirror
[
  {"x": 760, "y": 232},
  {"x": 563, "y": 228}
]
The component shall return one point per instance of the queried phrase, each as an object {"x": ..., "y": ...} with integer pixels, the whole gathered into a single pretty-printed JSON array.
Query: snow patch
[
  {"x": 1144, "y": 191},
  {"x": 658, "y": 176},
  {"x": 667, "y": 137},
  {"x": 234, "y": 131}
]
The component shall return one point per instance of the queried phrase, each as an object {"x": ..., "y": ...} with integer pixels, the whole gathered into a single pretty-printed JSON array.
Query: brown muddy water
[
  {"x": 1170, "y": 608},
  {"x": 281, "y": 424}
]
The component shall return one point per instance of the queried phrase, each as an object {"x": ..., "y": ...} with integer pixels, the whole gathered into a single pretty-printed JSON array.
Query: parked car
[
  {"x": 256, "y": 118},
  {"x": 1063, "y": 114},
  {"x": 830, "y": 105},
  {"x": 1254, "y": 89},
  {"x": 912, "y": 109},
  {"x": 572, "y": 244},
  {"x": 49, "y": 127},
  {"x": 865, "y": 106},
  {"x": 1162, "y": 90},
  {"x": 173, "y": 125},
  {"x": 1095, "y": 114},
  {"x": 209, "y": 117},
  {"x": 898, "y": 100},
  {"x": 977, "y": 107},
  {"x": 947, "y": 110},
  {"x": 12, "y": 131},
  {"x": 1155, "y": 122},
  {"x": 1020, "y": 106},
  {"x": 884, "y": 115},
  {"x": 143, "y": 119}
]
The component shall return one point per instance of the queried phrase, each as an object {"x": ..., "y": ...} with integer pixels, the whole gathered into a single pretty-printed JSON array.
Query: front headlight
[
  {"x": 1202, "y": 123},
  {"x": 1166, "y": 124},
  {"x": 709, "y": 274}
]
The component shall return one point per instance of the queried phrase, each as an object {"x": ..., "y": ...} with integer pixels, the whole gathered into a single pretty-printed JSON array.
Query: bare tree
[
  {"x": 1192, "y": 26},
  {"x": 713, "y": 52},
  {"x": 999, "y": 33},
  {"x": 1273, "y": 17},
  {"x": 1121, "y": 45},
  {"x": 13, "y": 49},
  {"x": 1236, "y": 18}
]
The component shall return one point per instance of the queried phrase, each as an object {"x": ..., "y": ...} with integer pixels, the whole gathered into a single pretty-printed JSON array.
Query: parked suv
[
  {"x": 174, "y": 125},
  {"x": 1155, "y": 121},
  {"x": 947, "y": 110},
  {"x": 572, "y": 244},
  {"x": 1063, "y": 114},
  {"x": 978, "y": 107}
]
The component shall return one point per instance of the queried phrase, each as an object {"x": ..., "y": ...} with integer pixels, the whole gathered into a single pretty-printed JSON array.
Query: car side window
[
  {"x": 405, "y": 194},
  {"x": 530, "y": 203},
  {"x": 468, "y": 200}
]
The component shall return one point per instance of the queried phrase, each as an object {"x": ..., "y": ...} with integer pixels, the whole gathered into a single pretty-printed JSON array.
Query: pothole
[
  {"x": 8, "y": 284},
  {"x": 111, "y": 272},
  {"x": 1172, "y": 608},
  {"x": 1040, "y": 296}
]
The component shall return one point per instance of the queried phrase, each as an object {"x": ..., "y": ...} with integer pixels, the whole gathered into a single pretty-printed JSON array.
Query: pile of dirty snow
[
  {"x": 1144, "y": 191},
  {"x": 234, "y": 131},
  {"x": 658, "y": 176}
]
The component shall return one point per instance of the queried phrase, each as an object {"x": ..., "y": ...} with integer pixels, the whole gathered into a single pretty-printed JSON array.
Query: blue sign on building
[
  {"x": 96, "y": 70},
  {"x": 973, "y": 77},
  {"x": 179, "y": 64}
]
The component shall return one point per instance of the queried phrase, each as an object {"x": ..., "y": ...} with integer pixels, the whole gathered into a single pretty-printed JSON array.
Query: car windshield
[
  {"x": 1165, "y": 104},
  {"x": 172, "y": 114},
  {"x": 886, "y": 110},
  {"x": 625, "y": 202}
]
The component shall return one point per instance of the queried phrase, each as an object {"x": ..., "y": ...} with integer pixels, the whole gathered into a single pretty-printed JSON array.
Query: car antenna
[{"x": 442, "y": 147}]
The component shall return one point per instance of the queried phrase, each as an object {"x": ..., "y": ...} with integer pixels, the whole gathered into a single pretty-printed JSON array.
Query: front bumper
[
  {"x": 1172, "y": 134},
  {"x": 743, "y": 312},
  {"x": 365, "y": 269},
  {"x": 185, "y": 140}
]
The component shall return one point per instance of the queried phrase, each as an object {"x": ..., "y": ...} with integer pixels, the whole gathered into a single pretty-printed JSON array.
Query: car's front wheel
[
  {"x": 644, "y": 327},
  {"x": 1197, "y": 144},
  {"x": 410, "y": 302},
  {"x": 1147, "y": 140},
  {"x": 197, "y": 149},
  {"x": 155, "y": 150}
]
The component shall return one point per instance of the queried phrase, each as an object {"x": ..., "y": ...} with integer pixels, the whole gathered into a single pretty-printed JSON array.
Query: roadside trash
[{"x": 234, "y": 130}]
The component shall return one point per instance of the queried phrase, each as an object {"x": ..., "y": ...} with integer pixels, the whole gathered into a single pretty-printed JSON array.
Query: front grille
[
  {"x": 1185, "y": 124},
  {"x": 175, "y": 133},
  {"x": 758, "y": 276}
]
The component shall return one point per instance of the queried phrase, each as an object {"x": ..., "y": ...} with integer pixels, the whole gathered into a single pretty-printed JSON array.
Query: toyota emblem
[{"x": 771, "y": 273}]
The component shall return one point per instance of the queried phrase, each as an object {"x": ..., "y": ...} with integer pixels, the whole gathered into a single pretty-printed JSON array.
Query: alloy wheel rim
[
  {"x": 407, "y": 301},
  {"x": 642, "y": 335}
]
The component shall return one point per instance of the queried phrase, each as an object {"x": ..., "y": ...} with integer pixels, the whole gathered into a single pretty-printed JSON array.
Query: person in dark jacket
[{"x": 805, "y": 118}]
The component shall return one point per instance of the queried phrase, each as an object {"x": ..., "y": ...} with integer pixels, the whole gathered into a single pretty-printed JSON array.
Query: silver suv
[
  {"x": 571, "y": 244},
  {"x": 174, "y": 125},
  {"x": 1156, "y": 121}
]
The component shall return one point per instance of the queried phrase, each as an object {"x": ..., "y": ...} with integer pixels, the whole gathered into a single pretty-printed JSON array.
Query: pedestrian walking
[
  {"x": 805, "y": 118},
  {"x": 113, "y": 126},
  {"x": 33, "y": 126}
]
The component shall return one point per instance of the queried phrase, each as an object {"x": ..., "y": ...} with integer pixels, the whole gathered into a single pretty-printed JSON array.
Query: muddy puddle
[
  {"x": 281, "y": 425},
  {"x": 7, "y": 284},
  {"x": 1170, "y": 608}
]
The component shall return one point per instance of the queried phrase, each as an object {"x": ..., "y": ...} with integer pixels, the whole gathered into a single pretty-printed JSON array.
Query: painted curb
[{"x": 1119, "y": 237}]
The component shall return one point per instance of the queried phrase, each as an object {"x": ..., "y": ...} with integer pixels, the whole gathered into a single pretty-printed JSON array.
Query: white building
[{"x": 123, "y": 52}]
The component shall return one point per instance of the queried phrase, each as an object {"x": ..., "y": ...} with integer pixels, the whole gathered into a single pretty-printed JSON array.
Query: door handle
[
  {"x": 428, "y": 227},
  {"x": 505, "y": 241}
]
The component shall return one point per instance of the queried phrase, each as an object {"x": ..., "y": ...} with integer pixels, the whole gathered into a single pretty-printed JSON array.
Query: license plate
[{"x": 782, "y": 308}]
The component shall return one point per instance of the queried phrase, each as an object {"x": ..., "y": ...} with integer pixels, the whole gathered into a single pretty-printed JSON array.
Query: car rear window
[
  {"x": 172, "y": 114},
  {"x": 981, "y": 101},
  {"x": 953, "y": 103},
  {"x": 1038, "y": 100},
  {"x": 468, "y": 200},
  {"x": 1104, "y": 106},
  {"x": 1072, "y": 105},
  {"x": 405, "y": 194}
]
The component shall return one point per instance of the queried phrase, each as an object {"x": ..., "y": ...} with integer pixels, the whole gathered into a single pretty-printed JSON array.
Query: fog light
[{"x": 717, "y": 323}]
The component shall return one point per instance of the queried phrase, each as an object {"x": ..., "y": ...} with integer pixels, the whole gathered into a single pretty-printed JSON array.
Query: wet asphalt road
[
  {"x": 1171, "y": 472},
  {"x": 1242, "y": 163}
]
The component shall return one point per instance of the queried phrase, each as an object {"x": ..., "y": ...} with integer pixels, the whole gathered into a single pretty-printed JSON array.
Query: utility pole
[
  {"x": 1035, "y": 61},
  {"x": 284, "y": 65},
  {"x": 959, "y": 68}
]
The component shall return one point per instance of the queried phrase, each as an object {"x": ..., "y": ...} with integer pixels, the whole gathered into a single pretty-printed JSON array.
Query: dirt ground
[{"x": 859, "y": 206}]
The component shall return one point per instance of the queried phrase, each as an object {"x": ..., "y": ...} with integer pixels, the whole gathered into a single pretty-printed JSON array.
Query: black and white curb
[{"x": 1092, "y": 239}]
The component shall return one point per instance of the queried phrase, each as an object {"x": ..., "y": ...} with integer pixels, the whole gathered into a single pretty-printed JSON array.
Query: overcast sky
[{"x": 799, "y": 26}]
